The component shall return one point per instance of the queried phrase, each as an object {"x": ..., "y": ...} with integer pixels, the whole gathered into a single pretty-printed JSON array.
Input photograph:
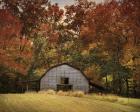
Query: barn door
[{"x": 64, "y": 84}]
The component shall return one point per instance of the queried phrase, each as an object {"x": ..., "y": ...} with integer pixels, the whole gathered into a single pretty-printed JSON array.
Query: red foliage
[
  {"x": 54, "y": 12},
  {"x": 10, "y": 26},
  {"x": 13, "y": 56},
  {"x": 54, "y": 37}
]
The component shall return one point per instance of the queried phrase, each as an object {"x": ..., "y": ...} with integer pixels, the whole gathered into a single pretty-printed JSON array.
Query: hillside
[{"x": 53, "y": 103}]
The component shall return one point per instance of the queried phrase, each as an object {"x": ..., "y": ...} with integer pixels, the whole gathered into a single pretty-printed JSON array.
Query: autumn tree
[
  {"x": 104, "y": 25},
  {"x": 22, "y": 18},
  {"x": 101, "y": 39}
]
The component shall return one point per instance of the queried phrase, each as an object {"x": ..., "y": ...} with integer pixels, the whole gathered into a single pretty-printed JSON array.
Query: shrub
[
  {"x": 78, "y": 94},
  {"x": 71, "y": 93},
  {"x": 62, "y": 93},
  {"x": 51, "y": 92}
]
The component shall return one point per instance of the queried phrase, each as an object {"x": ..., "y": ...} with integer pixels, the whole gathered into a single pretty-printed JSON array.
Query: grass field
[{"x": 32, "y": 102}]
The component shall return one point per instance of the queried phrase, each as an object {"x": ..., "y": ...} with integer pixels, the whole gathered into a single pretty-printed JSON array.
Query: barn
[{"x": 64, "y": 77}]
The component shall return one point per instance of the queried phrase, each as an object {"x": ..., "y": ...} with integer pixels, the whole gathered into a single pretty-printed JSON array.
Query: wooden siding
[{"x": 53, "y": 77}]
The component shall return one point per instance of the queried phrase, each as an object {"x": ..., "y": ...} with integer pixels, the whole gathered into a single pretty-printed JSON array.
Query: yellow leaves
[
  {"x": 85, "y": 52},
  {"x": 68, "y": 45},
  {"x": 92, "y": 45},
  {"x": 130, "y": 63},
  {"x": 109, "y": 78},
  {"x": 52, "y": 52},
  {"x": 87, "y": 49},
  {"x": 40, "y": 71}
]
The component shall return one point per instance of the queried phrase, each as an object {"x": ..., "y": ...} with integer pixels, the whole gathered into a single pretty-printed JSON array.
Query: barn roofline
[{"x": 68, "y": 65}]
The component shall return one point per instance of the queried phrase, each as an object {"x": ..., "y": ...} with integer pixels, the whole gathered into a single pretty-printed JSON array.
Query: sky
[{"x": 62, "y": 3}]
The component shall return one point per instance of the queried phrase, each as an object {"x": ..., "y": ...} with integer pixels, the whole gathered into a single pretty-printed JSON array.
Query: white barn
[{"x": 64, "y": 77}]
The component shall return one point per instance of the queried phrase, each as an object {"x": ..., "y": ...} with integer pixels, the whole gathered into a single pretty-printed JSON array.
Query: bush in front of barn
[
  {"x": 71, "y": 93},
  {"x": 78, "y": 94},
  {"x": 50, "y": 92},
  {"x": 64, "y": 93}
]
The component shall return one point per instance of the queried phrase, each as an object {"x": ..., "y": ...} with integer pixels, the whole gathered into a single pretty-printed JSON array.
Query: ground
[{"x": 54, "y": 103}]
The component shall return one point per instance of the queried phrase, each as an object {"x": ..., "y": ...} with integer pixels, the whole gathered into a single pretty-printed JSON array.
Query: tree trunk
[
  {"x": 106, "y": 83},
  {"x": 120, "y": 86},
  {"x": 27, "y": 83},
  {"x": 30, "y": 72},
  {"x": 27, "y": 86},
  {"x": 113, "y": 83},
  {"x": 127, "y": 88}
]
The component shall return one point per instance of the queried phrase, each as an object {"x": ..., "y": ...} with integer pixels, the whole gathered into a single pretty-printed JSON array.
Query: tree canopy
[{"x": 101, "y": 39}]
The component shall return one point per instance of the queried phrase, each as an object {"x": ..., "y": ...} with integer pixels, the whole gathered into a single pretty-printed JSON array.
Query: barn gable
[{"x": 65, "y": 77}]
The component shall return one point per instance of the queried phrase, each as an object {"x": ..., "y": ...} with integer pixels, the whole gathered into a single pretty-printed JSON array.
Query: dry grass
[
  {"x": 50, "y": 92},
  {"x": 109, "y": 97},
  {"x": 33, "y": 102},
  {"x": 116, "y": 99}
]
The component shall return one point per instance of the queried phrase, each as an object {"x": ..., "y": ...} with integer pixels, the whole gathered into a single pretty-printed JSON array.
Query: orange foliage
[
  {"x": 12, "y": 57},
  {"x": 10, "y": 26}
]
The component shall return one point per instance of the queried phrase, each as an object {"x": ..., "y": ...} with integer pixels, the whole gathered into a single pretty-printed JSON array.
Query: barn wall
[{"x": 53, "y": 77}]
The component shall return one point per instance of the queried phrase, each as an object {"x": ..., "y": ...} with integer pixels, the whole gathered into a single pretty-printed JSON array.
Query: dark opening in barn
[{"x": 64, "y": 84}]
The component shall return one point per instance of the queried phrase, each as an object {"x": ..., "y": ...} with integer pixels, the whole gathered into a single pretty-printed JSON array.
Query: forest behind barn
[{"x": 102, "y": 40}]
